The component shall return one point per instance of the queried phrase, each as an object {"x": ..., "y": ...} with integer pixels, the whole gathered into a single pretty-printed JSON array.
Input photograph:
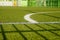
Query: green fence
[
  {"x": 44, "y": 3},
  {"x": 58, "y": 3},
  {"x": 33, "y": 3},
  {"x": 52, "y": 3}
]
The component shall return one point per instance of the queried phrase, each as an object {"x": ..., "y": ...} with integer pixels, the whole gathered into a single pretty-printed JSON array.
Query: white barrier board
[{"x": 6, "y": 3}]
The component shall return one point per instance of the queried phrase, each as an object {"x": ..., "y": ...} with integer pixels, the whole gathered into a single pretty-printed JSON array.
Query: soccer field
[{"x": 14, "y": 26}]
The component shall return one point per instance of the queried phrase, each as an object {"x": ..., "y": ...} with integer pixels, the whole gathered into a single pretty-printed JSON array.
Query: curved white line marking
[{"x": 27, "y": 17}]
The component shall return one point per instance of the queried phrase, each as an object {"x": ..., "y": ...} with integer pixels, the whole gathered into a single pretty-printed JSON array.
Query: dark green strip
[
  {"x": 51, "y": 16},
  {"x": 31, "y": 30},
  {"x": 51, "y": 26},
  {"x": 29, "y": 11},
  {"x": 19, "y": 32},
  {"x": 36, "y": 32},
  {"x": 58, "y": 24},
  {"x": 45, "y": 29},
  {"x": 2, "y": 31}
]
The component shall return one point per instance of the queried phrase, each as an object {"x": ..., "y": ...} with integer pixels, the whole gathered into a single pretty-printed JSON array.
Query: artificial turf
[{"x": 29, "y": 31}]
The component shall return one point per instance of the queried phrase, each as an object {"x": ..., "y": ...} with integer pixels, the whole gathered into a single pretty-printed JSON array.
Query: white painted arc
[
  {"x": 27, "y": 17},
  {"x": 31, "y": 21}
]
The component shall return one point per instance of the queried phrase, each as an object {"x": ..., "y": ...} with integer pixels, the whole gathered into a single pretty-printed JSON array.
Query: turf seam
[
  {"x": 54, "y": 32},
  {"x": 31, "y": 30},
  {"x": 3, "y": 33},
  {"x": 58, "y": 24},
  {"x": 19, "y": 32},
  {"x": 30, "y": 11},
  {"x": 51, "y": 16},
  {"x": 51, "y": 26},
  {"x": 36, "y": 32},
  {"x": 49, "y": 31}
]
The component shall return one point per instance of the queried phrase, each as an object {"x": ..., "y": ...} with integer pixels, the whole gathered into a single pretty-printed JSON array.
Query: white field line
[{"x": 30, "y": 23}]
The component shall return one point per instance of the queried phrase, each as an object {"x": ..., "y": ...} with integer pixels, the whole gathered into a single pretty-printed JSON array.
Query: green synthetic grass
[
  {"x": 13, "y": 36},
  {"x": 16, "y": 14},
  {"x": 47, "y": 17},
  {"x": 8, "y": 27},
  {"x": 12, "y": 15},
  {"x": 29, "y": 31}
]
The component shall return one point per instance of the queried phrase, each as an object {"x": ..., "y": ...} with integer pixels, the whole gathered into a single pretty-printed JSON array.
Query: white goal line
[{"x": 30, "y": 23}]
